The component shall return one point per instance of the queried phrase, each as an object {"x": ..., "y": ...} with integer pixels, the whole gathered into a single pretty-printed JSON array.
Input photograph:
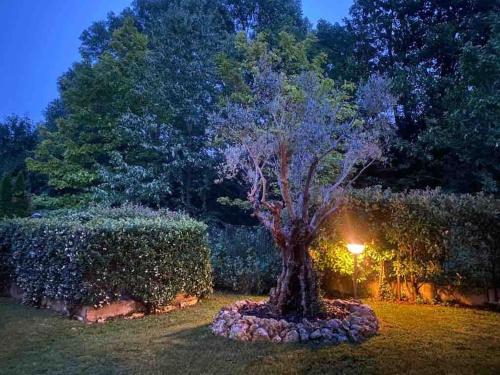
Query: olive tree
[{"x": 298, "y": 143}]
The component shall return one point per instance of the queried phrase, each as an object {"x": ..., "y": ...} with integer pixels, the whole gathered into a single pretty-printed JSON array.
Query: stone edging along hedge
[{"x": 127, "y": 308}]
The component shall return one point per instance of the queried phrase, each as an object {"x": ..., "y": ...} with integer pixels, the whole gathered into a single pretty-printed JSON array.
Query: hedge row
[
  {"x": 420, "y": 236},
  {"x": 98, "y": 256}
]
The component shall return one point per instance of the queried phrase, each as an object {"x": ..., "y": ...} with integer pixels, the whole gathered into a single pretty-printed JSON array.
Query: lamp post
[{"x": 355, "y": 249}]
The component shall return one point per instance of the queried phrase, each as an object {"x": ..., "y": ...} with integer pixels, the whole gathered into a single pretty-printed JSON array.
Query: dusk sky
[{"x": 39, "y": 41}]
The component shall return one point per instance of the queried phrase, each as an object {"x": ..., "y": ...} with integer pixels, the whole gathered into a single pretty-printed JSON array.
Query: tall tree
[
  {"x": 269, "y": 16},
  {"x": 288, "y": 129},
  {"x": 95, "y": 94},
  {"x": 18, "y": 138},
  {"x": 143, "y": 172},
  {"x": 419, "y": 44},
  {"x": 6, "y": 196},
  {"x": 20, "y": 196},
  {"x": 338, "y": 42},
  {"x": 181, "y": 86},
  {"x": 467, "y": 141}
]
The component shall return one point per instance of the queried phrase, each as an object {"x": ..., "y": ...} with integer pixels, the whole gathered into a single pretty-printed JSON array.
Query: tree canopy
[{"x": 130, "y": 123}]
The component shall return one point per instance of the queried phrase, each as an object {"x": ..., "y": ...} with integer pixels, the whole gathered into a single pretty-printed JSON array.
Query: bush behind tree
[
  {"x": 244, "y": 258},
  {"x": 453, "y": 239},
  {"x": 419, "y": 236}
]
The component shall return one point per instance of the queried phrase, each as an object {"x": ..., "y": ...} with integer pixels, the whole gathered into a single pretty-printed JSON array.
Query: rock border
[
  {"x": 354, "y": 323},
  {"x": 125, "y": 308}
]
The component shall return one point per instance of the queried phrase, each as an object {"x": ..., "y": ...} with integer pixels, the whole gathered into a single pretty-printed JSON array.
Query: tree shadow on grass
[{"x": 197, "y": 350}]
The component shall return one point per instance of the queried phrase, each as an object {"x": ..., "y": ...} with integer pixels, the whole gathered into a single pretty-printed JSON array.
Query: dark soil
[{"x": 331, "y": 309}]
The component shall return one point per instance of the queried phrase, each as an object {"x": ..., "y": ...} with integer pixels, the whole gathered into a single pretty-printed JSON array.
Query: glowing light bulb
[{"x": 355, "y": 248}]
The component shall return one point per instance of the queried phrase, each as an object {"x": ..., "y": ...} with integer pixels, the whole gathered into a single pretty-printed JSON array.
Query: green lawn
[{"x": 412, "y": 339}]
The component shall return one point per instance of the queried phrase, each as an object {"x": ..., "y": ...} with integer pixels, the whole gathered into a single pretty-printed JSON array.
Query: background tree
[
  {"x": 268, "y": 16},
  {"x": 181, "y": 87},
  {"x": 281, "y": 134},
  {"x": 6, "y": 196},
  {"x": 95, "y": 95},
  {"x": 141, "y": 173},
  {"x": 466, "y": 143},
  {"x": 18, "y": 138},
  {"x": 420, "y": 45},
  {"x": 20, "y": 196},
  {"x": 343, "y": 62}
]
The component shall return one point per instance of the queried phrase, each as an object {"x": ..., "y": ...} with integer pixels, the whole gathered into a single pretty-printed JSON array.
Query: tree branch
[{"x": 283, "y": 180}]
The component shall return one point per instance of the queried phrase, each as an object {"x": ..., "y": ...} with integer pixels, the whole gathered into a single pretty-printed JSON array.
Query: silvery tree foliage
[
  {"x": 299, "y": 145},
  {"x": 282, "y": 142}
]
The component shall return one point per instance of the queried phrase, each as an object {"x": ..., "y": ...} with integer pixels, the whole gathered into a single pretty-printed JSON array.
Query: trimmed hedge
[{"x": 102, "y": 255}]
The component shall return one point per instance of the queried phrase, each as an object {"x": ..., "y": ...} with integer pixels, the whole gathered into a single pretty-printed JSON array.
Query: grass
[{"x": 412, "y": 339}]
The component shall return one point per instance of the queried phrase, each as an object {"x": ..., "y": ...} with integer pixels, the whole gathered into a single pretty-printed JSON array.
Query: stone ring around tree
[{"x": 341, "y": 321}]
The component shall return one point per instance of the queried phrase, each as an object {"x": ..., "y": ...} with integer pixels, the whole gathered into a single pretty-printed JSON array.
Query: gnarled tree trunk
[{"x": 296, "y": 292}]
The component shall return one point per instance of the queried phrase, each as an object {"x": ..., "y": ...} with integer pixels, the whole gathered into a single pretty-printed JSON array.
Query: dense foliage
[
  {"x": 18, "y": 138},
  {"x": 420, "y": 236},
  {"x": 15, "y": 199},
  {"x": 95, "y": 95},
  {"x": 244, "y": 259},
  {"x": 129, "y": 124},
  {"x": 443, "y": 58},
  {"x": 98, "y": 256}
]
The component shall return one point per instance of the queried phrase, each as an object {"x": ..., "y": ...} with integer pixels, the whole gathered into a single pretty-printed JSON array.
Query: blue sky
[{"x": 39, "y": 41}]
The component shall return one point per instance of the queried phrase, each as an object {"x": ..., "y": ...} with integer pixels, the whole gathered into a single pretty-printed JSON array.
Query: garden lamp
[{"x": 355, "y": 249}]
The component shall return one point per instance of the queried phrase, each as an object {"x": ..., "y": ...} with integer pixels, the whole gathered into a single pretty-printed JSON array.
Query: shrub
[
  {"x": 102, "y": 255},
  {"x": 244, "y": 259},
  {"x": 420, "y": 236}
]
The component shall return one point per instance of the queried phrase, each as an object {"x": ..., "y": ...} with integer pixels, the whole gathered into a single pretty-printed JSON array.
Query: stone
[
  {"x": 292, "y": 336},
  {"x": 183, "y": 300},
  {"x": 315, "y": 335},
  {"x": 355, "y": 328},
  {"x": 353, "y": 323},
  {"x": 238, "y": 331},
  {"x": 355, "y": 320},
  {"x": 260, "y": 335},
  {"x": 118, "y": 308},
  {"x": 253, "y": 327},
  {"x": 136, "y": 315},
  {"x": 283, "y": 323},
  {"x": 273, "y": 327},
  {"x": 276, "y": 339},
  {"x": 340, "y": 338},
  {"x": 16, "y": 292},
  {"x": 334, "y": 323},
  {"x": 304, "y": 335},
  {"x": 326, "y": 333},
  {"x": 219, "y": 328}
]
